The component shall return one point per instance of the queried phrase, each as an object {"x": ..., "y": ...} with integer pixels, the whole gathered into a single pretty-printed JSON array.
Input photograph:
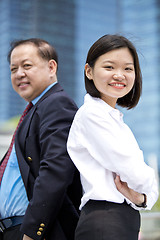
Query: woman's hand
[
  {"x": 25, "y": 237},
  {"x": 122, "y": 187}
]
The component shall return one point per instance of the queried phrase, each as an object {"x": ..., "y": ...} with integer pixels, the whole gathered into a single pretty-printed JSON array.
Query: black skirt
[{"x": 102, "y": 220}]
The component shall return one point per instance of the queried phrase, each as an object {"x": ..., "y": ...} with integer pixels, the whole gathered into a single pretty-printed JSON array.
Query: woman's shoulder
[{"x": 92, "y": 107}]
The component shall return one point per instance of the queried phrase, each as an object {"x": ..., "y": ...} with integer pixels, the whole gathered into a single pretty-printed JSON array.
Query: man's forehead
[
  {"x": 24, "y": 50},
  {"x": 26, "y": 46}
]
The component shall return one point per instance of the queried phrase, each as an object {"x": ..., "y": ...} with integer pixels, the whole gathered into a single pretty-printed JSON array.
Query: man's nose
[{"x": 20, "y": 72}]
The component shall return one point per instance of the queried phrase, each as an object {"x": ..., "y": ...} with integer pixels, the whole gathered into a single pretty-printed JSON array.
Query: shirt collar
[
  {"x": 37, "y": 98},
  {"x": 114, "y": 112}
]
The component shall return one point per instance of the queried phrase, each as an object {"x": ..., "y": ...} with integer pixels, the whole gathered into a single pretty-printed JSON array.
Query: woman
[{"x": 116, "y": 181}]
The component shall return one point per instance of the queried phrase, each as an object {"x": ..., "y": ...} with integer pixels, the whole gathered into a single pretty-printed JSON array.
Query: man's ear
[
  {"x": 88, "y": 71},
  {"x": 52, "y": 66}
]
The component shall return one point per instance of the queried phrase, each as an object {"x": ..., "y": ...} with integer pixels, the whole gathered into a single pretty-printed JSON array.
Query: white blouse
[{"x": 100, "y": 144}]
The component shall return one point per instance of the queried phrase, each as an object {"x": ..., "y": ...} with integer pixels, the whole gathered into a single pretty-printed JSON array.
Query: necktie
[{"x": 5, "y": 161}]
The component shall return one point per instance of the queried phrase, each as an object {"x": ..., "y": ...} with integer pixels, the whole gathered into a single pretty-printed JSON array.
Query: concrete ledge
[{"x": 150, "y": 226}]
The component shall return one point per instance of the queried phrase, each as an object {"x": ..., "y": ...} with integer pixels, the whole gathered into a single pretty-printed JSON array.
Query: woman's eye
[
  {"x": 108, "y": 67},
  {"x": 129, "y": 69}
]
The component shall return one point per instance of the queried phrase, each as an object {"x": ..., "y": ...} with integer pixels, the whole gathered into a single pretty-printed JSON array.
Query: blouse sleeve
[{"x": 152, "y": 197}]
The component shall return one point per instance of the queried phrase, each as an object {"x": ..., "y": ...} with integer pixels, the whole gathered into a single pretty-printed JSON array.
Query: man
[{"x": 40, "y": 190}]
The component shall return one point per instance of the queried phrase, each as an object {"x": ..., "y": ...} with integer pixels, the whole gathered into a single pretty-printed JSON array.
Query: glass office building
[
  {"x": 140, "y": 20},
  {"x": 72, "y": 26},
  {"x": 52, "y": 20}
]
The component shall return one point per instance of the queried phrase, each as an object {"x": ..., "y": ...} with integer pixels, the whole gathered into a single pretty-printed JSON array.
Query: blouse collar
[{"x": 114, "y": 112}]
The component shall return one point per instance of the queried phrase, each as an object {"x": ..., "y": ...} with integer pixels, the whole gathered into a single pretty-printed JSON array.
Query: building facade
[{"x": 51, "y": 20}]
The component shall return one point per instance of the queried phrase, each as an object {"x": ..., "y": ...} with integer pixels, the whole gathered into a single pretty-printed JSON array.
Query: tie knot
[{"x": 28, "y": 107}]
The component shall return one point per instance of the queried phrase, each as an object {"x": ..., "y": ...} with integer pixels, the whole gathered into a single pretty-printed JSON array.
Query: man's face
[{"x": 30, "y": 74}]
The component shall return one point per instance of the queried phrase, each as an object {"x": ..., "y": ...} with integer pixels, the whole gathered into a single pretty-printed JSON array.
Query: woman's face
[{"x": 113, "y": 74}]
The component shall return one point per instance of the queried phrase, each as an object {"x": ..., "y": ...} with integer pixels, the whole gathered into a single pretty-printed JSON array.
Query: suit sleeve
[{"x": 54, "y": 116}]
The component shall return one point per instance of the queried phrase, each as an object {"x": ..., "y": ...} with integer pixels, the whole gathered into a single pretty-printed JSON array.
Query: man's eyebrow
[{"x": 13, "y": 64}]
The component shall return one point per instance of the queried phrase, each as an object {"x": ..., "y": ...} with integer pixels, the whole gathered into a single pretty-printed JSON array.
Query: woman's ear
[{"x": 88, "y": 72}]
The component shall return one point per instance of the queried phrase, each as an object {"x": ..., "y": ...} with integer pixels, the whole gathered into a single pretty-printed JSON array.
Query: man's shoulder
[
  {"x": 55, "y": 93},
  {"x": 60, "y": 98},
  {"x": 55, "y": 100}
]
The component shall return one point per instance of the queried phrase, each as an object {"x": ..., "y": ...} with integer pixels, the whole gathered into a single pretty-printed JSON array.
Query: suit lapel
[
  {"x": 56, "y": 88},
  {"x": 24, "y": 127},
  {"x": 20, "y": 144},
  {"x": 23, "y": 131}
]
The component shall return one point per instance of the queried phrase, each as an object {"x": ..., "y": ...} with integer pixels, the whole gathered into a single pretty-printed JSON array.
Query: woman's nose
[{"x": 119, "y": 76}]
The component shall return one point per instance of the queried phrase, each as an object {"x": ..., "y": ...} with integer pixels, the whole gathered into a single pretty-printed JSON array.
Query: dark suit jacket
[{"x": 50, "y": 178}]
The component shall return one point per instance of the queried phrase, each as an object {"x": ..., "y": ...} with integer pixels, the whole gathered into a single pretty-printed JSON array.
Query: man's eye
[
  {"x": 13, "y": 70},
  {"x": 27, "y": 65}
]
